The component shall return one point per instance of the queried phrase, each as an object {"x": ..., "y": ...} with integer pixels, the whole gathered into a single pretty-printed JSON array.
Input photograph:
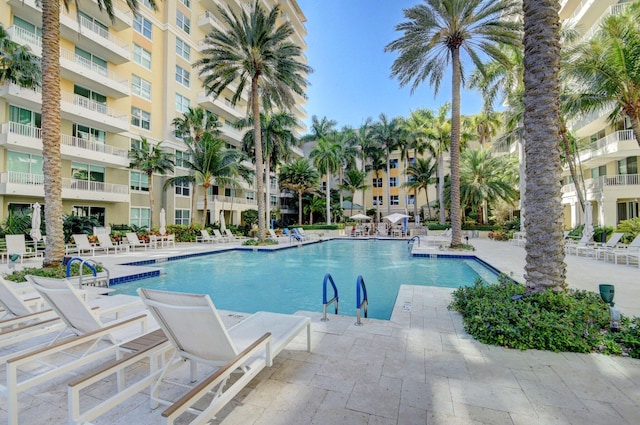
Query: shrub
[
  {"x": 574, "y": 321},
  {"x": 255, "y": 242},
  {"x": 57, "y": 272},
  {"x": 500, "y": 235},
  {"x": 630, "y": 228}
]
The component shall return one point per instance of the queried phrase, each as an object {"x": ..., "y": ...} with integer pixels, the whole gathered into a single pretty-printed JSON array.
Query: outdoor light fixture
[{"x": 607, "y": 292}]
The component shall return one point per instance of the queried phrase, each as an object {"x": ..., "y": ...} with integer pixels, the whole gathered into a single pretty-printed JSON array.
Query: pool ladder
[
  {"x": 102, "y": 282},
  {"x": 362, "y": 300},
  {"x": 411, "y": 241}
]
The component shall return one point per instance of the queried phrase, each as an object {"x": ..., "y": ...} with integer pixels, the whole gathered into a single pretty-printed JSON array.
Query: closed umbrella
[
  {"x": 223, "y": 225},
  {"x": 587, "y": 233},
  {"x": 35, "y": 233},
  {"x": 163, "y": 222}
]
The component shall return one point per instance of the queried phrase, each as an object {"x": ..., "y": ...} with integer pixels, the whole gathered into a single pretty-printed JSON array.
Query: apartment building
[
  {"x": 609, "y": 153},
  {"x": 121, "y": 80}
]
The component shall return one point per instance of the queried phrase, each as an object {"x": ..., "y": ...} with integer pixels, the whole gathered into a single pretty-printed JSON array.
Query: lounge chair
[
  {"x": 198, "y": 335},
  {"x": 272, "y": 235},
  {"x": 631, "y": 250},
  {"x": 585, "y": 243},
  {"x": 233, "y": 237},
  {"x": 20, "y": 309},
  {"x": 82, "y": 245},
  {"x": 107, "y": 244},
  {"x": 291, "y": 235},
  {"x": 219, "y": 236},
  {"x": 134, "y": 242},
  {"x": 16, "y": 244},
  {"x": 206, "y": 237},
  {"x": 91, "y": 341},
  {"x": 297, "y": 232},
  {"x": 608, "y": 246}
]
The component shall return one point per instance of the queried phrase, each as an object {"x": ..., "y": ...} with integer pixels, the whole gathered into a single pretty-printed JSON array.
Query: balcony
[
  {"x": 26, "y": 138},
  {"x": 218, "y": 201},
  {"x": 16, "y": 183},
  {"x": 85, "y": 111},
  {"x": 86, "y": 73},
  {"x": 615, "y": 9},
  {"x": 609, "y": 187},
  {"x": 93, "y": 38},
  {"x": 24, "y": 97},
  {"x": 207, "y": 22},
  {"x": 618, "y": 145},
  {"x": 29, "y": 9},
  {"x": 219, "y": 106}
]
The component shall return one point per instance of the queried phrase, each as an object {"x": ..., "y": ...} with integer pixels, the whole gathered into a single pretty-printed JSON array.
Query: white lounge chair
[
  {"x": 205, "y": 237},
  {"x": 18, "y": 309},
  {"x": 134, "y": 242},
  {"x": 82, "y": 245},
  {"x": 584, "y": 244},
  {"x": 631, "y": 250},
  {"x": 198, "y": 335},
  {"x": 219, "y": 236},
  {"x": 16, "y": 244},
  {"x": 272, "y": 235},
  {"x": 610, "y": 245},
  {"x": 233, "y": 237},
  {"x": 107, "y": 244},
  {"x": 92, "y": 341}
]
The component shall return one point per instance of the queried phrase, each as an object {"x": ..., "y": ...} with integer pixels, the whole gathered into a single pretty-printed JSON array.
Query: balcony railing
[
  {"x": 91, "y": 26},
  {"x": 598, "y": 184},
  {"x": 16, "y": 177},
  {"x": 592, "y": 149},
  {"x": 87, "y": 64},
  {"x": 22, "y": 178},
  {"x": 65, "y": 139},
  {"x": 93, "y": 106}
]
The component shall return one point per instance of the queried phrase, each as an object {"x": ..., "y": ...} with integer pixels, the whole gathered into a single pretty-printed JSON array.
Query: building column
[{"x": 609, "y": 212}]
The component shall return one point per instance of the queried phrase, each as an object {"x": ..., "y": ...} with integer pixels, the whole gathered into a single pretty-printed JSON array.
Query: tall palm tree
[
  {"x": 545, "y": 267},
  {"x": 439, "y": 141},
  {"x": 606, "y": 70},
  {"x": 434, "y": 35},
  {"x": 190, "y": 127},
  {"x": 211, "y": 163},
  {"x": 377, "y": 164},
  {"x": 486, "y": 125},
  {"x": 300, "y": 177},
  {"x": 387, "y": 136},
  {"x": 326, "y": 159},
  {"x": 150, "y": 159},
  {"x": 361, "y": 141},
  {"x": 315, "y": 205},
  {"x": 17, "y": 64},
  {"x": 254, "y": 53},
  {"x": 485, "y": 179},
  {"x": 421, "y": 175},
  {"x": 353, "y": 181},
  {"x": 52, "y": 163},
  {"x": 320, "y": 127},
  {"x": 277, "y": 139}
]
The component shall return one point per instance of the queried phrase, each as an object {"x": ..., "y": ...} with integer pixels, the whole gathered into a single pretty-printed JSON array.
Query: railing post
[
  {"x": 361, "y": 304},
  {"x": 325, "y": 303}
]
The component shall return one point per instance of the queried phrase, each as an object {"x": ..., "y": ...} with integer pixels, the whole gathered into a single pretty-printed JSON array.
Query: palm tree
[
  {"x": 150, "y": 159},
  {"x": 255, "y": 53},
  {"x": 485, "y": 179},
  {"x": 377, "y": 164},
  {"x": 326, "y": 159},
  {"x": 387, "y": 136},
  {"x": 319, "y": 128},
  {"x": 434, "y": 35},
  {"x": 315, "y": 205},
  {"x": 545, "y": 267},
  {"x": 421, "y": 175},
  {"x": 52, "y": 163},
  {"x": 439, "y": 141},
  {"x": 277, "y": 139},
  {"x": 300, "y": 177},
  {"x": 212, "y": 164},
  {"x": 486, "y": 125},
  {"x": 17, "y": 64},
  {"x": 353, "y": 181},
  {"x": 604, "y": 72}
]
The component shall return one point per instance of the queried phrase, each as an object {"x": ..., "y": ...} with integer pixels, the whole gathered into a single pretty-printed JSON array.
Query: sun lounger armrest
[
  {"x": 44, "y": 314},
  {"x": 185, "y": 402}
]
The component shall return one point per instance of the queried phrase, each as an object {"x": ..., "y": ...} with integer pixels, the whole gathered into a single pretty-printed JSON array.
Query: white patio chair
[
  {"x": 134, "y": 242},
  {"x": 16, "y": 244},
  {"x": 107, "y": 244},
  {"x": 219, "y": 236},
  {"x": 205, "y": 237}
]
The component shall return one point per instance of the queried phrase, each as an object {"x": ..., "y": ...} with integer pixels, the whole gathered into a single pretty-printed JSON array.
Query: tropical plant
[
  {"x": 300, "y": 177},
  {"x": 434, "y": 35},
  {"x": 17, "y": 64},
  {"x": 421, "y": 175},
  {"x": 211, "y": 163},
  {"x": 150, "y": 159},
  {"x": 353, "y": 181},
  {"x": 75, "y": 225},
  {"x": 326, "y": 158},
  {"x": 387, "y": 133},
  {"x": 438, "y": 142},
  {"x": 545, "y": 267},
  {"x": 52, "y": 163},
  {"x": 254, "y": 54},
  {"x": 315, "y": 205},
  {"x": 16, "y": 224},
  {"x": 630, "y": 228}
]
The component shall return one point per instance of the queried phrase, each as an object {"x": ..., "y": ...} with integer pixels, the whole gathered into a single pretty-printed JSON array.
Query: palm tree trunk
[
  {"x": 353, "y": 193},
  {"x": 328, "y": 198},
  {"x": 204, "y": 214},
  {"x": 443, "y": 218},
  {"x": 388, "y": 185},
  {"x": 570, "y": 158},
  {"x": 426, "y": 194},
  {"x": 152, "y": 200},
  {"x": 193, "y": 204},
  {"x": 300, "y": 208},
  {"x": 415, "y": 206},
  {"x": 257, "y": 140},
  {"x": 456, "y": 223},
  {"x": 52, "y": 164},
  {"x": 545, "y": 267},
  {"x": 268, "y": 191}
]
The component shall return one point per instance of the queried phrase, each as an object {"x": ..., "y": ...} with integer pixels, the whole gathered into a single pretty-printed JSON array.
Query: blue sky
[{"x": 351, "y": 79}]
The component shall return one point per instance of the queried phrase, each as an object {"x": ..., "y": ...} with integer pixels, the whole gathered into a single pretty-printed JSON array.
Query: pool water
[{"x": 290, "y": 280}]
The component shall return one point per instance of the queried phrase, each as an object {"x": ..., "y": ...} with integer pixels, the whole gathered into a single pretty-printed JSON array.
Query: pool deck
[{"x": 420, "y": 367}]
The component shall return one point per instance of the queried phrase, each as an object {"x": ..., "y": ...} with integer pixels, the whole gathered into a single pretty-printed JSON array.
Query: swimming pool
[{"x": 289, "y": 280}]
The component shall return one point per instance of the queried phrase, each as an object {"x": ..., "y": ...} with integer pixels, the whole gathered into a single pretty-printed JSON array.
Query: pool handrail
[
  {"x": 361, "y": 289},
  {"x": 412, "y": 240},
  {"x": 325, "y": 303}
]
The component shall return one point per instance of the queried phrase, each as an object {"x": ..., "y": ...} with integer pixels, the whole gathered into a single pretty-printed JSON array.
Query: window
[
  {"x": 87, "y": 172},
  {"x": 377, "y": 200},
  {"x": 182, "y": 76},
  {"x": 628, "y": 166},
  {"x": 31, "y": 32},
  {"x": 183, "y": 22},
  {"x": 182, "y": 188},
  {"x": 412, "y": 199},
  {"x": 141, "y": 56},
  {"x": 24, "y": 163},
  {"x": 88, "y": 60},
  {"x": 94, "y": 25},
  {"x": 599, "y": 171},
  {"x": 182, "y": 103},
  {"x": 377, "y": 182},
  {"x": 393, "y": 163},
  {"x": 84, "y": 132},
  {"x": 97, "y": 101},
  {"x": 142, "y": 26},
  {"x": 186, "y": 2},
  {"x": 140, "y": 87},
  {"x": 274, "y": 201},
  {"x": 627, "y": 210},
  {"x": 213, "y": 190},
  {"x": 139, "y": 181},
  {"x": 25, "y": 117},
  {"x": 183, "y": 49},
  {"x": 394, "y": 200},
  {"x": 230, "y": 192},
  {"x": 412, "y": 161},
  {"x": 86, "y": 211},
  {"x": 250, "y": 196},
  {"x": 181, "y": 159},
  {"x": 182, "y": 217},
  {"x": 393, "y": 182},
  {"x": 140, "y": 118},
  {"x": 140, "y": 217},
  {"x": 147, "y": 4}
]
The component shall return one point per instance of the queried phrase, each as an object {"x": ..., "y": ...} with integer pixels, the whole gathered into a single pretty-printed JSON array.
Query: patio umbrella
[
  {"x": 163, "y": 222},
  {"x": 360, "y": 217},
  {"x": 35, "y": 233},
  {"x": 223, "y": 225},
  {"x": 395, "y": 217},
  {"x": 587, "y": 233}
]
